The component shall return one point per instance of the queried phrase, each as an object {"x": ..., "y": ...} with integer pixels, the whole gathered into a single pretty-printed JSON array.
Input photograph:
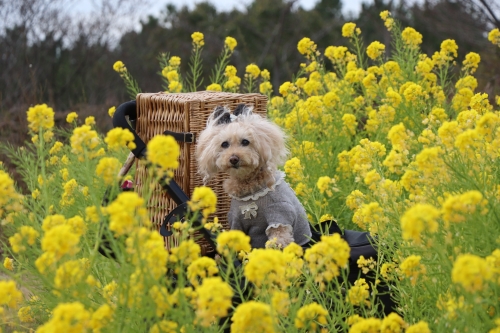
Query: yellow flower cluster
[
  {"x": 71, "y": 117},
  {"x": 83, "y": 141},
  {"x": 126, "y": 212},
  {"x": 253, "y": 70},
  {"x": 171, "y": 73},
  {"x": 471, "y": 272},
  {"x": 26, "y": 234},
  {"x": 184, "y": 254},
  {"x": 147, "y": 251},
  {"x": 73, "y": 317},
  {"x": 349, "y": 30},
  {"x": 200, "y": 269},
  {"x": 252, "y": 316},
  {"x": 71, "y": 273},
  {"x": 230, "y": 43},
  {"x": 325, "y": 258},
  {"x": 266, "y": 267},
  {"x": 118, "y": 138},
  {"x": 457, "y": 207},
  {"x": 388, "y": 21},
  {"x": 214, "y": 87},
  {"x": 233, "y": 241},
  {"x": 412, "y": 268},
  {"x": 417, "y": 219},
  {"x": 204, "y": 199},
  {"x": 375, "y": 50},
  {"x": 107, "y": 169},
  {"x": 232, "y": 82},
  {"x": 309, "y": 316},
  {"x": 359, "y": 293},
  {"x": 163, "y": 151},
  {"x": 9, "y": 294},
  {"x": 213, "y": 300},
  {"x": 119, "y": 67},
  {"x": 494, "y": 36},
  {"x": 411, "y": 37},
  {"x": 390, "y": 324},
  {"x": 307, "y": 47},
  {"x": 198, "y": 39},
  {"x": 40, "y": 117}
]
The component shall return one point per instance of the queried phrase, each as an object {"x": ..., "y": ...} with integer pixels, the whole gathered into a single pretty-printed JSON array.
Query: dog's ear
[
  {"x": 221, "y": 115},
  {"x": 243, "y": 109}
]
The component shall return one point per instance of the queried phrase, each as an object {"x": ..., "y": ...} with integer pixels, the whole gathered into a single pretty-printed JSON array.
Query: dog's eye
[
  {"x": 225, "y": 144},
  {"x": 245, "y": 142}
]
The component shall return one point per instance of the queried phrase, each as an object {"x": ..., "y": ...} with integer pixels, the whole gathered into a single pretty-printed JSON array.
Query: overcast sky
[{"x": 82, "y": 7}]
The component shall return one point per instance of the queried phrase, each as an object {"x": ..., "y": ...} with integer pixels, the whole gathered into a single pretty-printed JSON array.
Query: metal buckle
[{"x": 188, "y": 137}]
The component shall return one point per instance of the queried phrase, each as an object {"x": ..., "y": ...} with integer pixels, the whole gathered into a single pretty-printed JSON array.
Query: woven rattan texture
[{"x": 184, "y": 112}]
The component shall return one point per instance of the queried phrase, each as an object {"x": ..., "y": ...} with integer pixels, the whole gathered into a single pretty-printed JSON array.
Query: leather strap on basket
[{"x": 181, "y": 136}]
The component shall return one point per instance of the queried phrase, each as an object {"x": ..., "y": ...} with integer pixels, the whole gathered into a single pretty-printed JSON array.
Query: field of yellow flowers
[{"x": 399, "y": 145}]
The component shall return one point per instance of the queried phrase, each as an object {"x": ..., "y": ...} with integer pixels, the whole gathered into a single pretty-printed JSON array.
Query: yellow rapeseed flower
[
  {"x": 266, "y": 88},
  {"x": 26, "y": 234},
  {"x": 420, "y": 327},
  {"x": 118, "y": 138},
  {"x": 326, "y": 257},
  {"x": 214, "y": 87},
  {"x": 417, "y": 219},
  {"x": 200, "y": 269},
  {"x": 359, "y": 293},
  {"x": 375, "y": 50},
  {"x": 233, "y": 241},
  {"x": 471, "y": 272},
  {"x": 471, "y": 62},
  {"x": 213, "y": 300},
  {"x": 126, "y": 212},
  {"x": 309, "y": 316},
  {"x": 40, "y": 116},
  {"x": 198, "y": 39},
  {"x": 253, "y": 70},
  {"x": 67, "y": 317},
  {"x": 265, "y": 75},
  {"x": 175, "y": 86},
  {"x": 266, "y": 267},
  {"x": 252, "y": 316},
  {"x": 119, "y": 67},
  {"x": 8, "y": 263},
  {"x": 230, "y": 43},
  {"x": 9, "y": 294},
  {"x": 164, "y": 151},
  {"x": 457, "y": 207},
  {"x": 71, "y": 117},
  {"x": 174, "y": 61},
  {"x": 494, "y": 36},
  {"x": 307, "y": 47},
  {"x": 107, "y": 169},
  {"x": 111, "y": 111},
  {"x": 25, "y": 315},
  {"x": 204, "y": 199},
  {"x": 348, "y": 30},
  {"x": 411, "y": 37},
  {"x": 70, "y": 273},
  {"x": 84, "y": 140},
  {"x": 412, "y": 268}
]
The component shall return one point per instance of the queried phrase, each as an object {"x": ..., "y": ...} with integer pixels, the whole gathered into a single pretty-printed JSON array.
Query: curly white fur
[{"x": 221, "y": 143}]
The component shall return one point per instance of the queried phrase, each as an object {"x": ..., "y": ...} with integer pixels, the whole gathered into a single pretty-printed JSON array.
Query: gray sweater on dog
[{"x": 268, "y": 208}]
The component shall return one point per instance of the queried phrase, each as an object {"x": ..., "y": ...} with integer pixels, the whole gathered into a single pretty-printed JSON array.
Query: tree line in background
[{"x": 49, "y": 57}]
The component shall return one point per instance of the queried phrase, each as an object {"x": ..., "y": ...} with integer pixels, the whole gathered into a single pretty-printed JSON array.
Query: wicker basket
[{"x": 184, "y": 112}]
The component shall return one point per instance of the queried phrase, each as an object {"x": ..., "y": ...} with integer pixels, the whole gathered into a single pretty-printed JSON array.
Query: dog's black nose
[{"x": 234, "y": 160}]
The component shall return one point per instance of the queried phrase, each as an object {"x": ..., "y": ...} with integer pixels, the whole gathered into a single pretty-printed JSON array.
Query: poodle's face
[
  {"x": 237, "y": 150},
  {"x": 239, "y": 144}
]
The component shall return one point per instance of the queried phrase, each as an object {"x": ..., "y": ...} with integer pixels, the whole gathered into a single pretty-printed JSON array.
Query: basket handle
[{"x": 119, "y": 120}]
